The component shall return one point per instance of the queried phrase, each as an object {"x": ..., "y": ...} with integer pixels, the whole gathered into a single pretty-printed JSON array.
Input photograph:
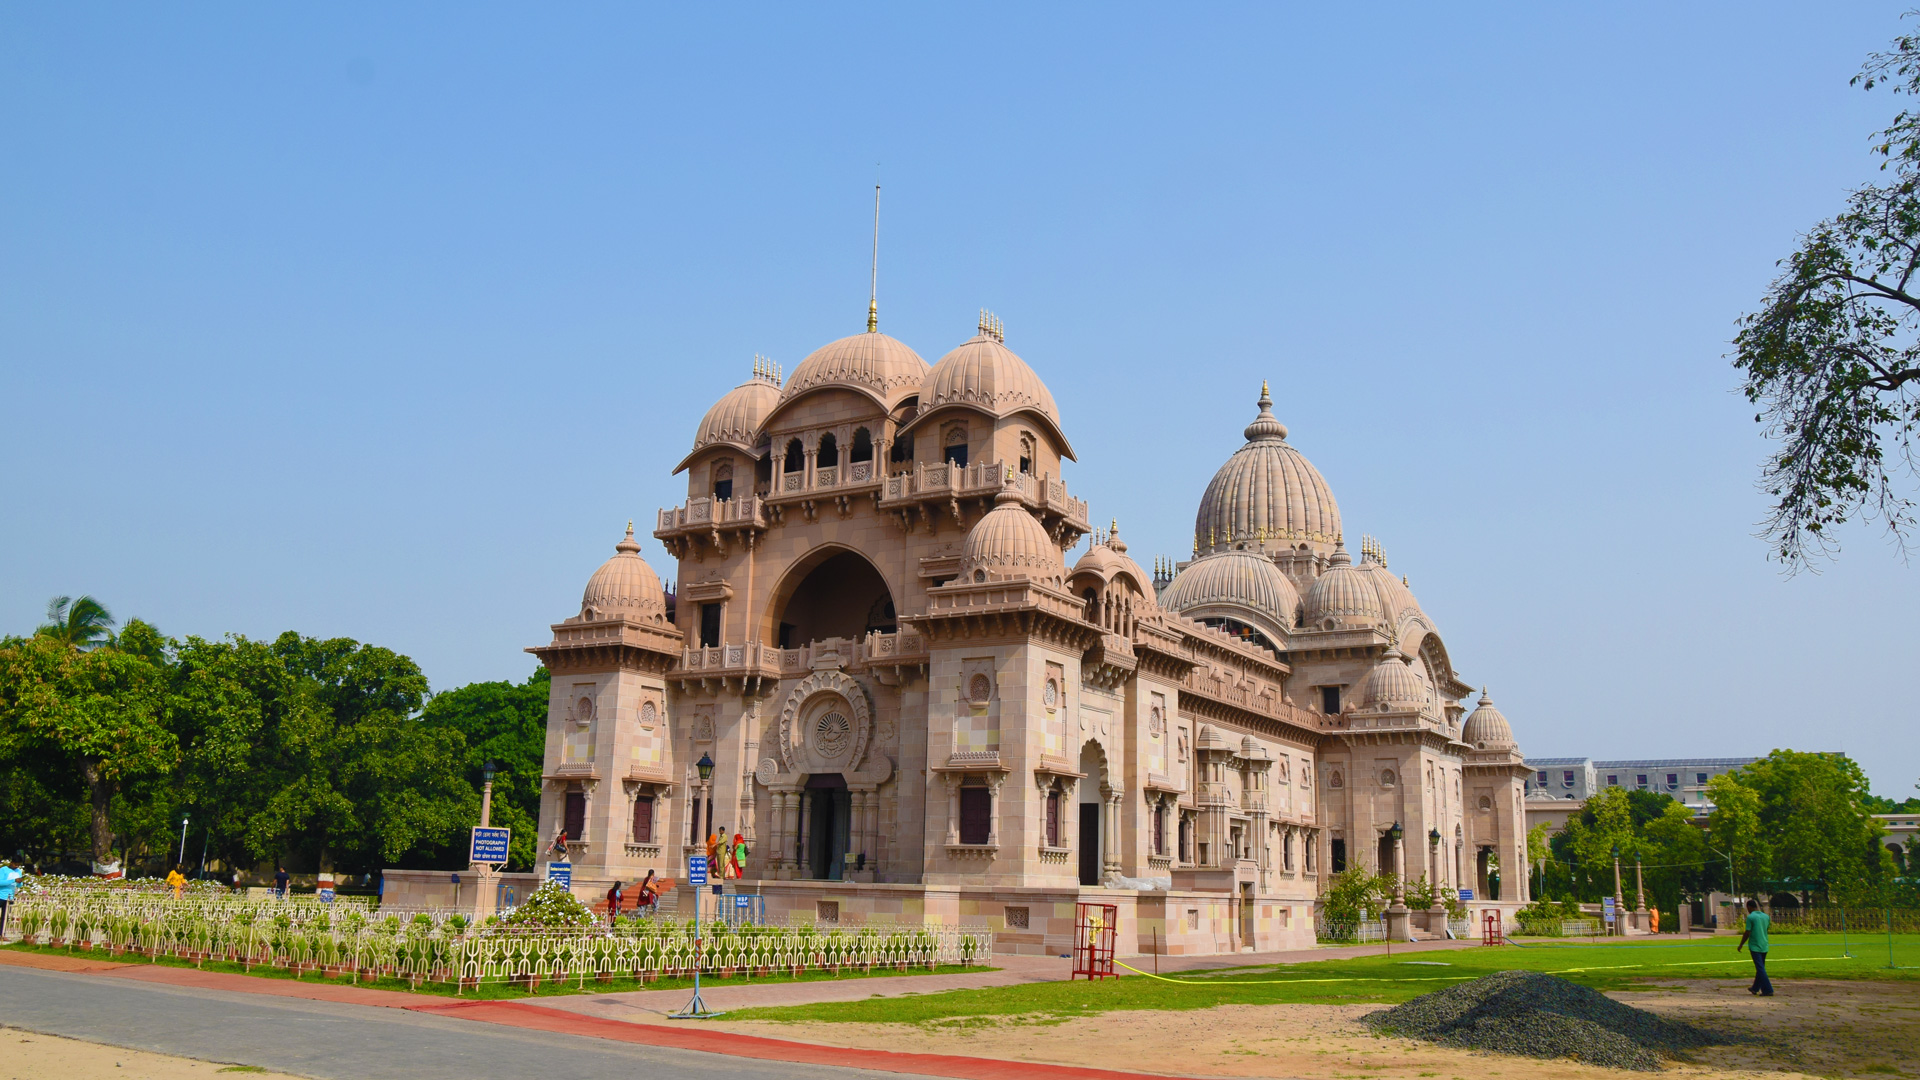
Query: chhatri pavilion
[{"x": 919, "y": 704}]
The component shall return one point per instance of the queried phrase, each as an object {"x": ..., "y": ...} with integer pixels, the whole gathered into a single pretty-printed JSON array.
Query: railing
[
  {"x": 709, "y": 511},
  {"x": 877, "y": 647},
  {"x": 447, "y": 949},
  {"x": 1353, "y": 932},
  {"x": 1834, "y": 920},
  {"x": 979, "y": 479}
]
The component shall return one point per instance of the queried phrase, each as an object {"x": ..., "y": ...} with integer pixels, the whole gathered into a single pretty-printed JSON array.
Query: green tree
[
  {"x": 1815, "y": 825},
  {"x": 1833, "y": 355},
  {"x": 505, "y": 723},
  {"x": 77, "y": 623},
  {"x": 97, "y": 713},
  {"x": 1734, "y": 832}
]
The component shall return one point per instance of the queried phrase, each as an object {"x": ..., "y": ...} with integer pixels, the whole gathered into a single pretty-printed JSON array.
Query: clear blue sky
[{"x": 381, "y": 321}]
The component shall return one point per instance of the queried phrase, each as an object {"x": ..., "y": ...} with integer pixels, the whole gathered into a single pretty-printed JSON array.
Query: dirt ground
[
  {"x": 25, "y": 1055},
  {"x": 1824, "y": 1029}
]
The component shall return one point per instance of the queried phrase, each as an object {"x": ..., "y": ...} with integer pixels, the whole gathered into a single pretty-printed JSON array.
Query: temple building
[{"x": 918, "y": 703}]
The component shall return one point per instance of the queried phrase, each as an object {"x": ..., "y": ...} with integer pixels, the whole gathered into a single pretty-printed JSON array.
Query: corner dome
[
  {"x": 1342, "y": 598},
  {"x": 1108, "y": 559},
  {"x": 872, "y": 362},
  {"x": 982, "y": 373},
  {"x": 735, "y": 419},
  {"x": 624, "y": 587},
  {"x": 1392, "y": 684},
  {"x": 1234, "y": 579},
  {"x": 1266, "y": 493},
  {"x": 1009, "y": 542},
  {"x": 1486, "y": 727}
]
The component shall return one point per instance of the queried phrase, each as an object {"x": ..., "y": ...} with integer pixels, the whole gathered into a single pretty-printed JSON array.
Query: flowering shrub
[{"x": 551, "y": 905}]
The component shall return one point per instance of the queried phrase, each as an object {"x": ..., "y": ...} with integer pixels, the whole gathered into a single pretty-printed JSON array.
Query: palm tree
[{"x": 81, "y": 624}]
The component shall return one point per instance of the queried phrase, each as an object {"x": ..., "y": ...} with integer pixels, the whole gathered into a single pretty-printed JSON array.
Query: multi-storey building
[{"x": 915, "y": 708}]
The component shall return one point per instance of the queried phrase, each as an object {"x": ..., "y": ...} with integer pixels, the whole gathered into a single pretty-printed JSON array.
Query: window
[
  {"x": 1339, "y": 855},
  {"x": 862, "y": 446},
  {"x": 1700, "y": 778},
  {"x": 1673, "y": 780},
  {"x": 796, "y": 456},
  {"x": 1026, "y": 452},
  {"x": 1330, "y": 704},
  {"x": 1309, "y": 846},
  {"x": 723, "y": 481},
  {"x": 829, "y": 454},
  {"x": 1543, "y": 777},
  {"x": 1286, "y": 853},
  {"x": 1018, "y": 918},
  {"x": 1160, "y": 828},
  {"x": 576, "y": 815},
  {"x": 976, "y": 815},
  {"x": 902, "y": 449},
  {"x": 1640, "y": 781},
  {"x": 1612, "y": 780},
  {"x": 1566, "y": 778},
  {"x": 957, "y": 454},
  {"x": 709, "y": 625},
  {"x": 643, "y": 820},
  {"x": 1053, "y": 819}
]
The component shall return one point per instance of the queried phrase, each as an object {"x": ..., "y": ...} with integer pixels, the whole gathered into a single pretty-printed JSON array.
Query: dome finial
[
  {"x": 1265, "y": 426},
  {"x": 628, "y": 545}
]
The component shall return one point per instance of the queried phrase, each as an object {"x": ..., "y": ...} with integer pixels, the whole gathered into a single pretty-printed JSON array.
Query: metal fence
[{"x": 1836, "y": 920}]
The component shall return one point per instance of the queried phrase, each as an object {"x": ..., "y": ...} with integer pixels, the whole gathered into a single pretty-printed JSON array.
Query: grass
[
  {"x": 488, "y": 991},
  {"x": 1610, "y": 966}
]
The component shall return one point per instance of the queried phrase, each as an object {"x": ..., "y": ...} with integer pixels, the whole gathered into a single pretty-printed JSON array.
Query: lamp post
[
  {"x": 1619, "y": 894},
  {"x": 1639, "y": 886},
  {"x": 486, "y": 794},
  {"x": 1397, "y": 921},
  {"x": 697, "y": 1009},
  {"x": 183, "y": 842}
]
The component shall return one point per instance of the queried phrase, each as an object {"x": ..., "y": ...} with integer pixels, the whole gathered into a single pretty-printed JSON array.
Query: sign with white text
[
  {"x": 490, "y": 845},
  {"x": 561, "y": 872},
  {"x": 696, "y": 870}
]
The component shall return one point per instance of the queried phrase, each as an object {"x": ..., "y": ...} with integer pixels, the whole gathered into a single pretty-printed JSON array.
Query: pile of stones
[{"x": 1539, "y": 1015}]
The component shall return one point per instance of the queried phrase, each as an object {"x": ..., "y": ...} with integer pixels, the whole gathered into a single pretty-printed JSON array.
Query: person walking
[
  {"x": 648, "y": 894},
  {"x": 10, "y": 875},
  {"x": 613, "y": 903},
  {"x": 1754, "y": 937},
  {"x": 281, "y": 881}
]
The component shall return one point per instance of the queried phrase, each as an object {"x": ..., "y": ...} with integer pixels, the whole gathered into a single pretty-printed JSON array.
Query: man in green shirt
[{"x": 1754, "y": 937}]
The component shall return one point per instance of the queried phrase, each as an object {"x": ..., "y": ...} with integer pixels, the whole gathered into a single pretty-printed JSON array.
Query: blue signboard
[
  {"x": 1466, "y": 894},
  {"x": 561, "y": 872},
  {"x": 696, "y": 870},
  {"x": 743, "y": 901},
  {"x": 1607, "y": 907},
  {"x": 490, "y": 845}
]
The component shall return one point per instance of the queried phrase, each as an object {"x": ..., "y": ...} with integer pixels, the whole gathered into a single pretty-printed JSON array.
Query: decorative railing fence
[{"x": 306, "y": 937}]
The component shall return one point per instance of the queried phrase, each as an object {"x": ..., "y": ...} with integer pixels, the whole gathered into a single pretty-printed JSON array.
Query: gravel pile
[{"x": 1538, "y": 1015}]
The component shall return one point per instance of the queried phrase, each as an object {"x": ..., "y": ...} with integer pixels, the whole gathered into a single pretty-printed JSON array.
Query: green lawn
[
  {"x": 488, "y": 991},
  {"x": 1609, "y": 966}
]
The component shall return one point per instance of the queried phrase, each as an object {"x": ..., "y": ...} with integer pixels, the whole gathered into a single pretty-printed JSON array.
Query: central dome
[
  {"x": 873, "y": 362},
  {"x": 1267, "y": 494}
]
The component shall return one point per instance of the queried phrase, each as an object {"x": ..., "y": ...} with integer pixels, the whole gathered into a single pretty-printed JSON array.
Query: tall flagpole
[{"x": 873, "y": 289}]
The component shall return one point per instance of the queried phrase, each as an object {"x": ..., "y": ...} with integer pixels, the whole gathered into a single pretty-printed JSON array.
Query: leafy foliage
[
  {"x": 1833, "y": 355},
  {"x": 505, "y": 723},
  {"x": 550, "y": 905}
]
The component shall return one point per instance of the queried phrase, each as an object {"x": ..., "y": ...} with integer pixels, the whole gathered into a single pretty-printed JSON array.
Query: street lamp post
[
  {"x": 183, "y": 842},
  {"x": 697, "y": 1009},
  {"x": 486, "y": 795},
  {"x": 1619, "y": 894},
  {"x": 1639, "y": 886}
]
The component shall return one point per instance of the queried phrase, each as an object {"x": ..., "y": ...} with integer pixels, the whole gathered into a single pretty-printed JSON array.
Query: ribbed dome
[
  {"x": 1344, "y": 595},
  {"x": 1396, "y": 599},
  {"x": 1393, "y": 684},
  {"x": 1099, "y": 560},
  {"x": 1234, "y": 579},
  {"x": 1140, "y": 575},
  {"x": 1486, "y": 728},
  {"x": 1267, "y": 492},
  {"x": 986, "y": 374},
  {"x": 735, "y": 419},
  {"x": 1010, "y": 542},
  {"x": 624, "y": 587},
  {"x": 871, "y": 361},
  {"x": 1109, "y": 560}
]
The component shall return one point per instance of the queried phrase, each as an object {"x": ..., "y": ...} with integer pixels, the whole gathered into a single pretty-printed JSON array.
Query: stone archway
[
  {"x": 1092, "y": 839},
  {"x": 831, "y": 592}
]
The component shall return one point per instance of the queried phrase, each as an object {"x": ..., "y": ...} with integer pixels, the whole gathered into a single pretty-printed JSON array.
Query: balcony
[
  {"x": 709, "y": 524},
  {"x": 887, "y": 655},
  {"x": 931, "y": 493}
]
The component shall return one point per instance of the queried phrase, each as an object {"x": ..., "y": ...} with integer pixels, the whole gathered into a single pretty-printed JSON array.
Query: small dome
[
  {"x": 1009, "y": 542},
  {"x": 735, "y": 419},
  {"x": 1392, "y": 684},
  {"x": 1342, "y": 596},
  {"x": 1234, "y": 579},
  {"x": 872, "y": 362},
  {"x": 986, "y": 375},
  {"x": 624, "y": 587},
  {"x": 1109, "y": 560},
  {"x": 1396, "y": 599},
  {"x": 1486, "y": 728},
  {"x": 1266, "y": 493},
  {"x": 1099, "y": 560}
]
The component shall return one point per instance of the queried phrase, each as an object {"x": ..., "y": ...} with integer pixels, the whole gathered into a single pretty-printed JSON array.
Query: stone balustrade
[
  {"x": 747, "y": 511},
  {"x": 755, "y": 659}
]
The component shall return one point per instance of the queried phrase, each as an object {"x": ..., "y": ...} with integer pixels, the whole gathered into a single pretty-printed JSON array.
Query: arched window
[
  {"x": 796, "y": 456},
  {"x": 956, "y": 444},
  {"x": 723, "y": 480},
  {"x": 862, "y": 446},
  {"x": 829, "y": 454},
  {"x": 902, "y": 448},
  {"x": 1026, "y": 452},
  {"x": 1053, "y": 818}
]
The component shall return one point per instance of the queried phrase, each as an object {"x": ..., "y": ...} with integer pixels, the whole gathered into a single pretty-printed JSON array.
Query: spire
[
  {"x": 1265, "y": 426},
  {"x": 873, "y": 287},
  {"x": 629, "y": 546},
  {"x": 992, "y": 327}
]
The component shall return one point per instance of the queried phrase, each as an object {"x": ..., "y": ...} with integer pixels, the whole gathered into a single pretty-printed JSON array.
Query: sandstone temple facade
[{"x": 919, "y": 704}]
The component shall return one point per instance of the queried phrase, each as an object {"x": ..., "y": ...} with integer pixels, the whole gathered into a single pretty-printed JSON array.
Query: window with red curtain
[
  {"x": 576, "y": 816},
  {"x": 643, "y": 820},
  {"x": 1053, "y": 819}
]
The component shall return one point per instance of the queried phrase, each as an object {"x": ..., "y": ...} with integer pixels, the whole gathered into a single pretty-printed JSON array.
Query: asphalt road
[{"x": 349, "y": 1042}]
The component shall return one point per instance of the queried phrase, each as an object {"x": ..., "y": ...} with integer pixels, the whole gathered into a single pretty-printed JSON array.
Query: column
[
  {"x": 994, "y": 780},
  {"x": 1110, "y": 842},
  {"x": 953, "y": 807}
]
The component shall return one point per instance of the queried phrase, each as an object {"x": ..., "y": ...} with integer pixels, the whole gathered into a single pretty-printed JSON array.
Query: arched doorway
[
  {"x": 1093, "y": 767},
  {"x": 831, "y": 593}
]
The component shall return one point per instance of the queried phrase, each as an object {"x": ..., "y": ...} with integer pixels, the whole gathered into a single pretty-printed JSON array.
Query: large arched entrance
[
  {"x": 1093, "y": 766},
  {"x": 825, "y": 827},
  {"x": 833, "y": 593}
]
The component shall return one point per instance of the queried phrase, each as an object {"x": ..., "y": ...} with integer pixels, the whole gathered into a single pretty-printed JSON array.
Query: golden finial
[
  {"x": 1211, "y": 540},
  {"x": 1196, "y": 545},
  {"x": 1260, "y": 533},
  {"x": 873, "y": 290},
  {"x": 1263, "y": 389},
  {"x": 629, "y": 528}
]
